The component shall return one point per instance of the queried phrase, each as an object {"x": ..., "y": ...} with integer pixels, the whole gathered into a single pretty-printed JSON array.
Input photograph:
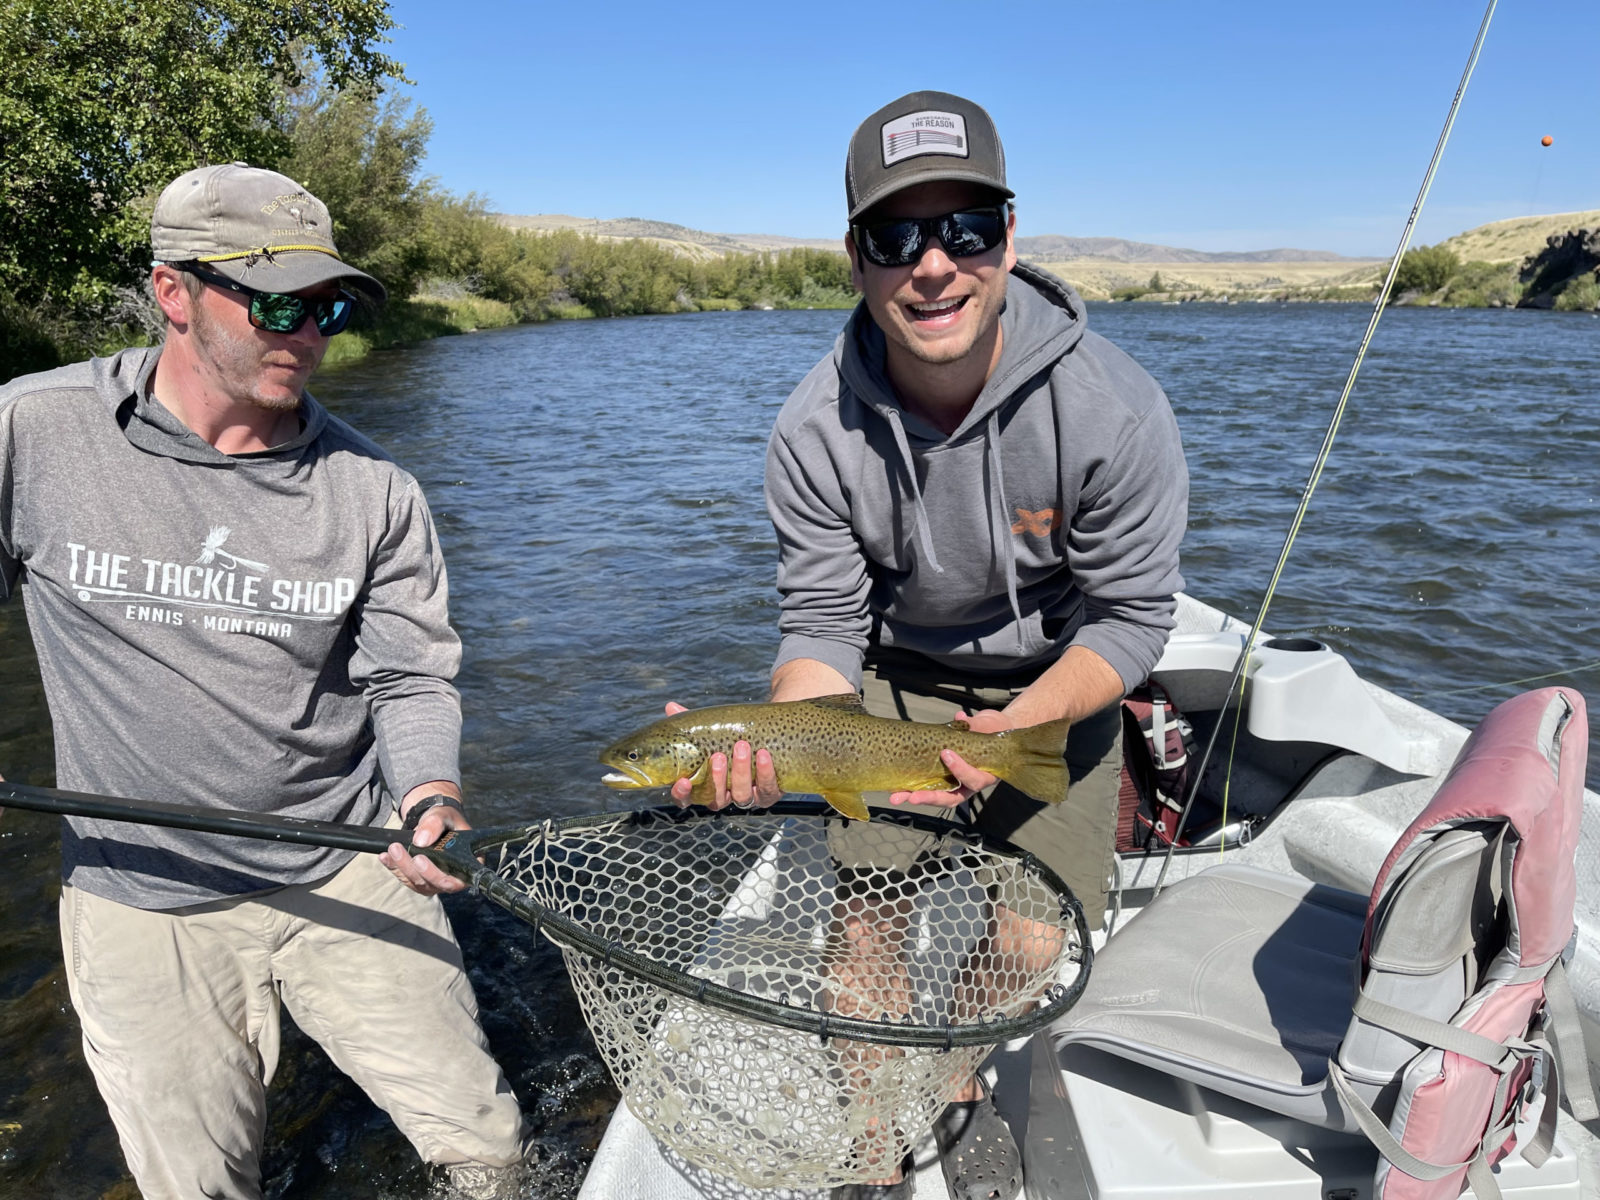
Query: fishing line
[
  {"x": 1321, "y": 461},
  {"x": 1484, "y": 687}
]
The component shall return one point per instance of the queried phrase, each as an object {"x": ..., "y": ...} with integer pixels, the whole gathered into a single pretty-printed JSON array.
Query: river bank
[
  {"x": 502, "y": 278},
  {"x": 407, "y": 322},
  {"x": 1550, "y": 261},
  {"x": 416, "y": 321}
]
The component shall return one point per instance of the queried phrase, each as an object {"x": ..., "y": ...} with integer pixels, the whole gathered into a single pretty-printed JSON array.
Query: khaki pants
[
  {"x": 180, "y": 1015},
  {"x": 1077, "y": 841}
]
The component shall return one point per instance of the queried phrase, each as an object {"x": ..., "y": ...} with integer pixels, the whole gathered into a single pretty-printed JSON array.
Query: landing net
[{"x": 787, "y": 998}]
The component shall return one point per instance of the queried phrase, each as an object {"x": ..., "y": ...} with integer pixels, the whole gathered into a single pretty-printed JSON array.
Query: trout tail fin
[{"x": 1035, "y": 764}]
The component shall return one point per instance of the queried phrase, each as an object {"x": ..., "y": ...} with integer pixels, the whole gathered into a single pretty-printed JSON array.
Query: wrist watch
[{"x": 423, "y": 804}]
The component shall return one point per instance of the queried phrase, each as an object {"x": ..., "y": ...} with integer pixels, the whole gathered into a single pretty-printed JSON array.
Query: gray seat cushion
[{"x": 1239, "y": 979}]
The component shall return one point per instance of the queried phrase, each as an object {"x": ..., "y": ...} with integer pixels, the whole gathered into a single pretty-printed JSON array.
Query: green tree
[
  {"x": 1425, "y": 269},
  {"x": 466, "y": 247},
  {"x": 1155, "y": 282},
  {"x": 361, "y": 154},
  {"x": 103, "y": 101}
]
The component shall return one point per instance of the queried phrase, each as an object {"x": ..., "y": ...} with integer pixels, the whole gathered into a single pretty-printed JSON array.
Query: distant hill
[
  {"x": 1101, "y": 267},
  {"x": 1052, "y": 247},
  {"x": 694, "y": 242},
  {"x": 1514, "y": 239},
  {"x": 1097, "y": 266}
]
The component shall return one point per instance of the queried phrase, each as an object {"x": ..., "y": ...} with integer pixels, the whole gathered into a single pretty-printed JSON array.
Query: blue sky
[{"x": 1238, "y": 125}]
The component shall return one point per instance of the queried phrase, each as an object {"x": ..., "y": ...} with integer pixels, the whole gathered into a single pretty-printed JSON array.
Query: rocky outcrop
[{"x": 1565, "y": 257}]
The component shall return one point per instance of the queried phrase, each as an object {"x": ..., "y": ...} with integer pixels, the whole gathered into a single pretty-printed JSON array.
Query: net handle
[
  {"x": 458, "y": 854},
  {"x": 265, "y": 826}
]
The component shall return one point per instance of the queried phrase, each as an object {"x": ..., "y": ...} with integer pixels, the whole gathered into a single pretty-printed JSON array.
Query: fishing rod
[{"x": 1241, "y": 664}]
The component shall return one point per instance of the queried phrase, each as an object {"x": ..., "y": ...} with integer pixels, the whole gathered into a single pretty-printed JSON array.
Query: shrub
[
  {"x": 1425, "y": 269},
  {"x": 1580, "y": 295},
  {"x": 1483, "y": 285}
]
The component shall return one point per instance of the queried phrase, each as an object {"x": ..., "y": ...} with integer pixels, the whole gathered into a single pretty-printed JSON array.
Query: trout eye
[{"x": 633, "y": 756}]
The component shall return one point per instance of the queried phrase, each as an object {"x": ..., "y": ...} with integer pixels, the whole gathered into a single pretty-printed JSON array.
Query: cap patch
[{"x": 924, "y": 133}]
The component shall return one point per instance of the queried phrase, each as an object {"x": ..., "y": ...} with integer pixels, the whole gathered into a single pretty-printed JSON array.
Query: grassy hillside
[
  {"x": 1053, "y": 247},
  {"x": 1488, "y": 258},
  {"x": 1513, "y": 240},
  {"x": 1099, "y": 279},
  {"x": 1098, "y": 267},
  {"x": 691, "y": 243}
]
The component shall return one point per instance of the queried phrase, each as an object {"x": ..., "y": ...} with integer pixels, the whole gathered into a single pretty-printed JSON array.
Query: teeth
[{"x": 930, "y": 308}]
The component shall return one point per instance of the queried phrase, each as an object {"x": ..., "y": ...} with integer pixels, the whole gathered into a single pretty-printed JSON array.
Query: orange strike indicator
[{"x": 1546, "y": 140}]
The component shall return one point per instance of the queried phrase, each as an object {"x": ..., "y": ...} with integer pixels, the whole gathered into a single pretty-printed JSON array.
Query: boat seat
[{"x": 1360, "y": 1013}]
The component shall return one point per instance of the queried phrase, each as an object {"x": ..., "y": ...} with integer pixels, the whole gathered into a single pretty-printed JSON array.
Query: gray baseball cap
[
  {"x": 920, "y": 138},
  {"x": 256, "y": 227}
]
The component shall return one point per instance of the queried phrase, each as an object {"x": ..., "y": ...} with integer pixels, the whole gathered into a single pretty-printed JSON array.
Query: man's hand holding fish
[
  {"x": 971, "y": 779},
  {"x": 747, "y": 778},
  {"x": 744, "y": 780},
  {"x": 831, "y": 746}
]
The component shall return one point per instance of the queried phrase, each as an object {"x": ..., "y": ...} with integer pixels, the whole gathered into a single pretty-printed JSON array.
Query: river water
[{"x": 598, "y": 492}]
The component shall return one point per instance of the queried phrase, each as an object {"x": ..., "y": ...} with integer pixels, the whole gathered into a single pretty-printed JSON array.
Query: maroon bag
[{"x": 1157, "y": 750}]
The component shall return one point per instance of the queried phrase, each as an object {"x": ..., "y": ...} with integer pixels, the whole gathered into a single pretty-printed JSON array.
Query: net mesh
[{"x": 788, "y": 930}]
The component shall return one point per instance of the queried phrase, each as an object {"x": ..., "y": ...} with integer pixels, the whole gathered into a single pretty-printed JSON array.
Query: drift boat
[{"x": 1304, "y": 804}]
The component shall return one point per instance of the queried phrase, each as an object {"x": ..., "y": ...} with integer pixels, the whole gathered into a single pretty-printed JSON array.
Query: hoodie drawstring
[
  {"x": 999, "y": 525},
  {"x": 904, "y": 447}
]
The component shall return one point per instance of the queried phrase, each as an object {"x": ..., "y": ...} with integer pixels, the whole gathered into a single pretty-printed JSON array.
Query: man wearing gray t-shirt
[{"x": 240, "y": 602}]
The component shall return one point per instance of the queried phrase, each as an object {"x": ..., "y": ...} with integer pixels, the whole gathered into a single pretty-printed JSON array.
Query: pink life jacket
[{"x": 1518, "y": 782}]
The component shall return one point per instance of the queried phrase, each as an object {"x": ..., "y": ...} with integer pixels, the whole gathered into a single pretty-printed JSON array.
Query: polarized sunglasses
[
  {"x": 277, "y": 312},
  {"x": 902, "y": 240}
]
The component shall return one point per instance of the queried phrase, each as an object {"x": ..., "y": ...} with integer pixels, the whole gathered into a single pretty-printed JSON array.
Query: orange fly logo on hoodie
[{"x": 1037, "y": 523}]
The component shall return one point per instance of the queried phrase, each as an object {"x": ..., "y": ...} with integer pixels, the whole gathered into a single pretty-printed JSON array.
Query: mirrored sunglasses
[
  {"x": 277, "y": 312},
  {"x": 902, "y": 240}
]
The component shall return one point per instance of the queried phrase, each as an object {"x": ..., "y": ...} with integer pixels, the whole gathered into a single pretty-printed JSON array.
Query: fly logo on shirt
[
  {"x": 1038, "y": 524},
  {"x": 212, "y": 549},
  {"x": 220, "y": 590}
]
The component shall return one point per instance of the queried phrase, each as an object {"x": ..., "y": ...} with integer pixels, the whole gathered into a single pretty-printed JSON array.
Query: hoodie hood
[
  {"x": 1041, "y": 320},
  {"x": 122, "y": 381}
]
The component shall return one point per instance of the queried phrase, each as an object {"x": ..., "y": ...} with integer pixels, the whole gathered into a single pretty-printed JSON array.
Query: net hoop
[{"x": 572, "y": 935}]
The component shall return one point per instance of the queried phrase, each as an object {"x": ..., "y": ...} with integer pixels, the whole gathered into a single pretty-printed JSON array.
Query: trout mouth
[{"x": 624, "y": 776}]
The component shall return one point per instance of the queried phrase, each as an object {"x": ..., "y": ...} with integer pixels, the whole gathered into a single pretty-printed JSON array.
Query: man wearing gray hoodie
[
  {"x": 239, "y": 602},
  {"x": 978, "y": 506}
]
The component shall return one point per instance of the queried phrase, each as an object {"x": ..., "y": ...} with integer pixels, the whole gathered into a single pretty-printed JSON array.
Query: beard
[{"x": 249, "y": 372}]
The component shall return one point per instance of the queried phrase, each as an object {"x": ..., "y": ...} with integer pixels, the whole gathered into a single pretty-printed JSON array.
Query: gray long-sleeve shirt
[
  {"x": 1051, "y": 517},
  {"x": 262, "y": 632}
]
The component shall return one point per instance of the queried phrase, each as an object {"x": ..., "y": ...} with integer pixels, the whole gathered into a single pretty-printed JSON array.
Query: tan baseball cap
[
  {"x": 920, "y": 138},
  {"x": 256, "y": 227}
]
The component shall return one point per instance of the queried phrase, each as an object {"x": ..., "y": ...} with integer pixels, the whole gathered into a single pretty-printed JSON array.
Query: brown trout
[{"x": 832, "y": 746}]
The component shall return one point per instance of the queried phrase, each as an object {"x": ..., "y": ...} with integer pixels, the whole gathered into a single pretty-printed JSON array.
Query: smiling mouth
[{"x": 935, "y": 310}]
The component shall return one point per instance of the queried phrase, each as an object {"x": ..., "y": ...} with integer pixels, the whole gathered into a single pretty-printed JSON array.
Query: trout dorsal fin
[{"x": 849, "y": 701}]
